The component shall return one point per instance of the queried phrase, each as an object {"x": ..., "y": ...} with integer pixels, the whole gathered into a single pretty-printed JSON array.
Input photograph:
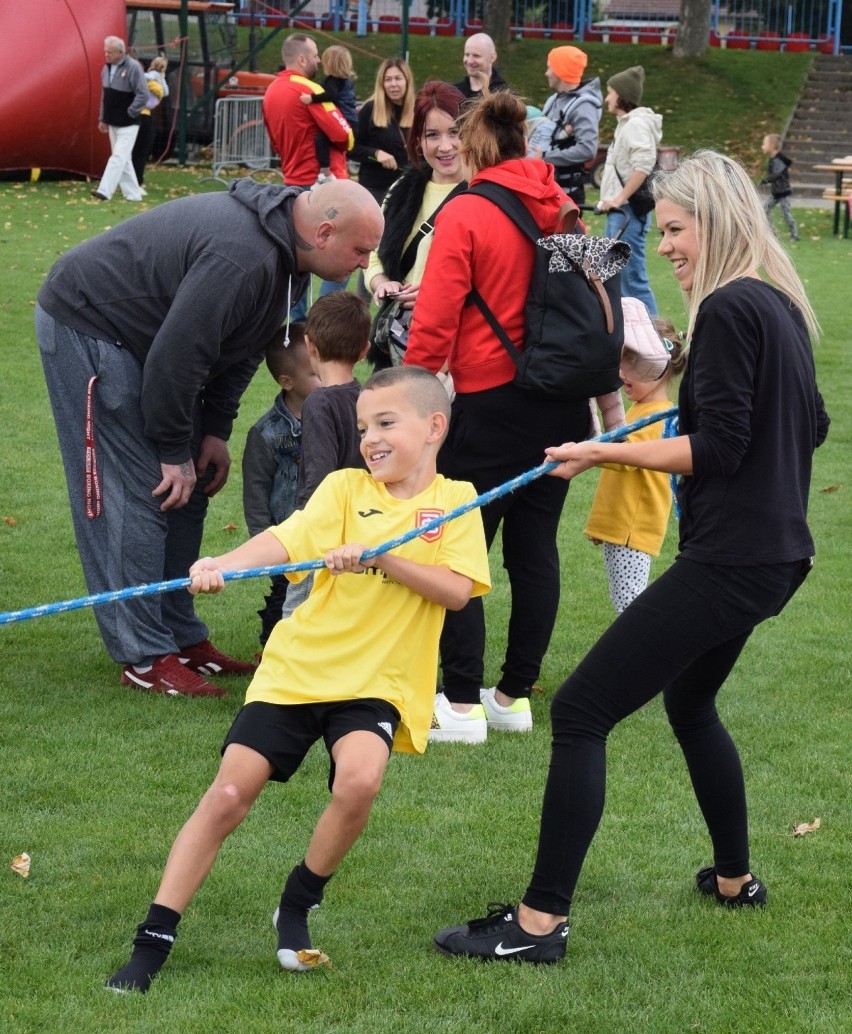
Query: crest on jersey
[{"x": 424, "y": 517}]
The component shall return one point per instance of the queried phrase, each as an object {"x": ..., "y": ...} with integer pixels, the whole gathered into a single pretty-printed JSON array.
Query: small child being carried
[
  {"x": 631, "y": 507},
  {"x": 338, "y": 86}
]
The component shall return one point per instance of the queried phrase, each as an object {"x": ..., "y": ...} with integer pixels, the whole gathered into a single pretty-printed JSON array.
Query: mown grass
[{"x": 95, "y": 779}]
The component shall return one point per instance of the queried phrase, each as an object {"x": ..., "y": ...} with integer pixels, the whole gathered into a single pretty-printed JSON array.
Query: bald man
[
  {"x": 479, "y": 59},
  {"x": 149, "y": 335}
]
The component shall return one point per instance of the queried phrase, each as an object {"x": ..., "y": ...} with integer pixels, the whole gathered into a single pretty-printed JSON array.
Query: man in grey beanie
[{"x": 629, "y": 161}]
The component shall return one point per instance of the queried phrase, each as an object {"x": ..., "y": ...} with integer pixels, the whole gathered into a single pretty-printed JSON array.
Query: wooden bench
[{"x": 842, "y": 198}]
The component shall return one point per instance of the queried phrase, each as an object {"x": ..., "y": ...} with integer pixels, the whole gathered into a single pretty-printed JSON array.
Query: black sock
[
  {"x": 151, "y": 946},
  {"x": 302, "y": 892}
]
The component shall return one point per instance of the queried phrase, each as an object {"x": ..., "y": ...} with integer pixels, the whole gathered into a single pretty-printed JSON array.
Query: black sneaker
[
  {"x": 751, "y": 894},
  {"x": 498, "y": 936}
]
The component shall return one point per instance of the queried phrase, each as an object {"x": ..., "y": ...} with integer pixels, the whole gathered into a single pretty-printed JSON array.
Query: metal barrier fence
[
  {"x": 240, "y": 139},
  {"x": 736, "y": 24}
]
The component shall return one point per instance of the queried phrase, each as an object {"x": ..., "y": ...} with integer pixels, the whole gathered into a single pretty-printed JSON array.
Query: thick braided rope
[{"x": 310, "y": 565}]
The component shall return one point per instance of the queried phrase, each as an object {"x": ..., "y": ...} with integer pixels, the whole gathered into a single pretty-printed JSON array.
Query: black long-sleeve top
[
  {"x": 750, "y": 404},
  {"x": 370, "y": 138}
]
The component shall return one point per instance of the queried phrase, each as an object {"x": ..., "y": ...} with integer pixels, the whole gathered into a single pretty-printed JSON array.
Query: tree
[
  {"x": 498, "y": 19},
  {"x": 693, "y": 34}
]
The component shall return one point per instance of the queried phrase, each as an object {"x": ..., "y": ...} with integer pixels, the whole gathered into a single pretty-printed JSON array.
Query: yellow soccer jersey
[{"x": 366, "y": 635}]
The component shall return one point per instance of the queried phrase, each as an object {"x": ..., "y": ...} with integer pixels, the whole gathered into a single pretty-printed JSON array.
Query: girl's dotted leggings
[{"x": 628, "y": 571}]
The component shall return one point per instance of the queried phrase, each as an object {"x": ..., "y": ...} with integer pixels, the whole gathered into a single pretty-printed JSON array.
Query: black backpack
[{"x": 574, "y": 323}]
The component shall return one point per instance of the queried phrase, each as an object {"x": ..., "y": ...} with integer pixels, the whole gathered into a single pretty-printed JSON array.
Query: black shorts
[{"x": 284, "y": 733}]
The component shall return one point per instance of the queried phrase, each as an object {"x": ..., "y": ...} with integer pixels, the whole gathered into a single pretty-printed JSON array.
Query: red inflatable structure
[{"x": 49, "y": 103}]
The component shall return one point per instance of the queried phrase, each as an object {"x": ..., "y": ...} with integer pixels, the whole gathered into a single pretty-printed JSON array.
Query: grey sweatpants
[
  {"x": 132, "y": 542},
  {"x": 784, "y": 204}
]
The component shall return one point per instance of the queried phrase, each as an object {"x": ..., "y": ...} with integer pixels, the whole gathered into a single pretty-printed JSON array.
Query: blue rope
[
  {"x": 670, "y": 431},
  {"x": 311, "y": 565}
]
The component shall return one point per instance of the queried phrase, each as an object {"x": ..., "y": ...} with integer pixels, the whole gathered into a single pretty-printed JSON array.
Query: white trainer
[
  {"x": 450, "y": 726},
  {"x": 517, "y": 718}
]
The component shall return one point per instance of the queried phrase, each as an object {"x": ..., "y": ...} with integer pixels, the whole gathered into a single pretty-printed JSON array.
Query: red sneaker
[
  {"x": 205, "y": 659},
  {"x": 168, "y": 675}
]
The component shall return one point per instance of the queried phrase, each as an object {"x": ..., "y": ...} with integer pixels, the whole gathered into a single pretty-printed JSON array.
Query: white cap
[{"x": 645, "y": 351}]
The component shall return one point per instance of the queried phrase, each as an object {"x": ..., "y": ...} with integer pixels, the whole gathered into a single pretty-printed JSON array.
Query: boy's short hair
[
  {"x": 423, "y": 389},
  {"x": 281, "y": 360},
  {"x": 774, "y": 140},
  {"x": 339, "y": 327}
]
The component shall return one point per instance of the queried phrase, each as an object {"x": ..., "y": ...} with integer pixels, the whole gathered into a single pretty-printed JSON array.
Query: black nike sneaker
[
  {"x": 498, "y": 936},
  {"x": 751, "y": 894}
]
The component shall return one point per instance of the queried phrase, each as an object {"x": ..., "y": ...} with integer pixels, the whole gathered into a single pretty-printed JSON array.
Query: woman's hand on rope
[
  {"x": 205, "y": 576},
  {"x": 573, "y": 458}
]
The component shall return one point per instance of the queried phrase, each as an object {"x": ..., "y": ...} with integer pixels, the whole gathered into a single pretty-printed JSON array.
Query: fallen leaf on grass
[
  {"x": 10, "y": 521},
  {"x": 230, "y": 527},
  {"x": 804, "y": 828},
  {"x": 21, "y": 864},
  {"x": 313, "y": 957},
  {"x": 830, "y": 488}
]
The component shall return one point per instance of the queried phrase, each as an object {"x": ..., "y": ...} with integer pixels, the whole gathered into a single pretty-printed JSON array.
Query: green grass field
[{"x": 95, "y": 780}]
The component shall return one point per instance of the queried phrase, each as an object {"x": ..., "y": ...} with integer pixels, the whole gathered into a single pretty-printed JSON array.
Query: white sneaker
[
  {"x": 517, "y": 718},
  {"x": 449, "y": 726}
]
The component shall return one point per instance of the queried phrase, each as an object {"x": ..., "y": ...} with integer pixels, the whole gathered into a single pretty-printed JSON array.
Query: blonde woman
[
  {"x": 750, "y": 418},
  {"x": 383, "y": 125}
]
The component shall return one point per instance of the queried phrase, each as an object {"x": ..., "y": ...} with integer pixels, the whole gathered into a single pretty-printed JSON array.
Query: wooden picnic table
[{"x": 839, "y": 197}]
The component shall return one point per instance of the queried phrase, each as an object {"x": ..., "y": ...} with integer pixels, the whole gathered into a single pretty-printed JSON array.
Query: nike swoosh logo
[
  {"x": 368, "y": 513},
  {"x": 500, "y": 950},
  {"x": 752, "y": 890}
]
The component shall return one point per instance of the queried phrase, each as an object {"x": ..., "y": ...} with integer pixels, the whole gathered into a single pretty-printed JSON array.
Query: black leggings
[
  {"x": 494, "y": 436},
  {"x": 681, "y": 636}
]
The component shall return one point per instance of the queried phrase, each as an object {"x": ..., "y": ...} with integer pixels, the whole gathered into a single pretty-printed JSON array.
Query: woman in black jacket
[
  {"x": 383, "y": 125},
  {"x": 750, "y": 418}
]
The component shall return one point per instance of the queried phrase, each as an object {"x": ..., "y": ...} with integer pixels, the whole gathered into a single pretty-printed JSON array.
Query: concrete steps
[{"x": 821, "y": 126}]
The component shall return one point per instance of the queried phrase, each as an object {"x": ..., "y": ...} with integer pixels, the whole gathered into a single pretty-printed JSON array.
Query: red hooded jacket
[
  {"x": 293, "y": 128},
  {"x": 475, "y": 244}
]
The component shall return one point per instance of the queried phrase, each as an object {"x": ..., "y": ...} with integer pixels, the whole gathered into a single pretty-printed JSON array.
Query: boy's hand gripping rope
[{"x": 310, "y": 565}]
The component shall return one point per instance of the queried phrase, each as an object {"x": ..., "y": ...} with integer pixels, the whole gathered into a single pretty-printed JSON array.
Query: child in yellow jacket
[{"x": 631, "y": 507}]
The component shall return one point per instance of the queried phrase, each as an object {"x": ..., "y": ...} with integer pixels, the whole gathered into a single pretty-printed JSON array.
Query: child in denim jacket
[{"x": 273, "y": 453}]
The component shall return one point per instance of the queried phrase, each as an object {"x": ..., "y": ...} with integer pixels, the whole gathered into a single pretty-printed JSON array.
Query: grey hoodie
[
  {"x": 581, "y": 109},
  {"x": 194, "y": 289}
]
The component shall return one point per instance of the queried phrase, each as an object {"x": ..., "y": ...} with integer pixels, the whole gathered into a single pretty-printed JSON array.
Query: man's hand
[
  {"x": 103, "y": 127},
  {"x": 214, "y": 452},
  {"x": 177, "y": 484},
  {"x": 347, "y": 559}
]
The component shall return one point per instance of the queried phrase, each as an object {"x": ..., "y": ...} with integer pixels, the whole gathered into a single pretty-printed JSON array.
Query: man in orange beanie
[{"x": 575, "y": 109}]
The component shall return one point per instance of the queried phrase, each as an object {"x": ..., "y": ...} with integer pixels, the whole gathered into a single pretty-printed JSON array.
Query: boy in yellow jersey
[{"x": 364, "y": 686}]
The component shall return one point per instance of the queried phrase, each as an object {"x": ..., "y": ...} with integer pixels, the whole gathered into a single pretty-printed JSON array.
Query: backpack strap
[{"x": 512, "y": 206}]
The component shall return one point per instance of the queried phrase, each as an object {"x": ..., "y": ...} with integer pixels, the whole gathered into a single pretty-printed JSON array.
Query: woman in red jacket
[{"x": 498, "y": 430}]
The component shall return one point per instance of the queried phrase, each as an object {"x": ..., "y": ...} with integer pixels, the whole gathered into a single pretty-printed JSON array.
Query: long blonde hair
[
  {"x": 382, "y": 107},
  {"x": 735, "y": 238}
]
